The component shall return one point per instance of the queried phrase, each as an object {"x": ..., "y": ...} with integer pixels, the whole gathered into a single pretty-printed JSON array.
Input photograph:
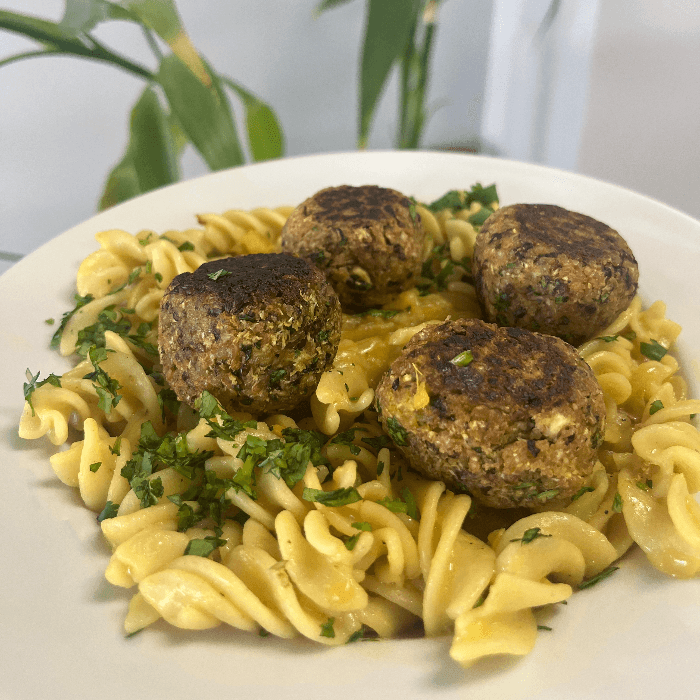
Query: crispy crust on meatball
[
  {"x": 510, "y": 416},
  {"x": 547, "y": 269},
  {"x": 368, "y": 240},
  {"x": 256, "y": 331}
]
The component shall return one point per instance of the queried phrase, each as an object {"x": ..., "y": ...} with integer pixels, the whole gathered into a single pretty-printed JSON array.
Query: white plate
[{"x": 637, "y": 635}]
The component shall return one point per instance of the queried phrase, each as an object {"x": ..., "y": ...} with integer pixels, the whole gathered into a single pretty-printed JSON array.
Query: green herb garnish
[
  {"x": 529, "y": 535},
  {"x": 653, "y": 350},
  {"x": 327, "y": 628},
  {"x": 33, "y": 384},
  {"x": 105, "y": 387},
  {"x": 463, "y": 359},
  {"x": 655, "y": 406},
  {"x": 597, "y": 579},
  {"x": 205, "y": 546},
  {"x": 617, "y": 503},
  {"x": 79, "y": 303},
  {"x": 219, "y": 273},
  {"x": 332, "y": 499},
  {"x": 109, "y": 511},
  {"x": 396, "y": 432}
]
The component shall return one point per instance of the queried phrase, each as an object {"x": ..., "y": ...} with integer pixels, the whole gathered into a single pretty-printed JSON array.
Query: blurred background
[{"x": 607, "y": 88}]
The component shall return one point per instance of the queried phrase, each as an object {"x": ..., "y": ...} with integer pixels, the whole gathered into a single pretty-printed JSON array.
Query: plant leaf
[
  {"x": 150, "y": 160},
  {"x": 265, "y": 136},
  {"x": 153, "y": 149},
  {"x": 203, "y": 113},
  {"x": 122, "y": 183},
  {"x": 328, "y": 5},
  {"x": 387, "y": 31},
  {"x": 162, "y": 17},
  {"x": 85, "y": 15}
]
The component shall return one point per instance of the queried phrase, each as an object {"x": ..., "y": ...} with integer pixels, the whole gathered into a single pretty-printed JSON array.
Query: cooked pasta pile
[{"x": 315, "y": 526}]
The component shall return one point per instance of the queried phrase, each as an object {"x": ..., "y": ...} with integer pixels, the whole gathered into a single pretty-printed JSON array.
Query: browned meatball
[
  {"x": 551, "y": 270},
  {"x": 368, "y": 240},
  {"x": 256, "y": 331},
  {"x": 510, "y": 416}
]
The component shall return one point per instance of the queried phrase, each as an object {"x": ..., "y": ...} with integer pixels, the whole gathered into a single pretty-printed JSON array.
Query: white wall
[
  {"x": 63, "y": 121},
  {"x": 642, "y": 127}
]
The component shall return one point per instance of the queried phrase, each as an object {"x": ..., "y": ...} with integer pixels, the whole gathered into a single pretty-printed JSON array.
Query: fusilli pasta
[{"x": 318, "y": 528}]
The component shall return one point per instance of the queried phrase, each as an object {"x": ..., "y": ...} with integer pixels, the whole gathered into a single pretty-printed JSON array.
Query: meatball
[
  {"x": 510, "y": 416},
  {"x": 547, "y": 269},
  {"x": 256, "y": 331},
  {"x": 368, "y": 240}
]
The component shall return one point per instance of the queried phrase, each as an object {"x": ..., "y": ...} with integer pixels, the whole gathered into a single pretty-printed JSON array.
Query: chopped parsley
[
  {"x": 364, "y": 634},
  {"x": 109, "y": 511},
  {"x": 79, "y": 303},
  {"x": 463, "y": 359},
  {"x": 529, "y": 535},
  {"x": 397, "y": 432},
  {"x": 116, "y": 449},
  {"x": 351, "y": 542},
  {"x": 204, "y": 547},
  {"x": 113, "y": 319},
  {"x": 327, "y": 628},
  {"x": 105, "y": 387},
  {"x": 154, "y": 453},
  {"x": 276, "y": 376},
  {"x": 597, "y": 579},
  {"x": 655, "y": 407},
  {"x": 617, "y": 503},
  {"x": 347, "y": 438},
  {"x": 376, "y": 443},
  {"x": 332, "y": 499},
  {"x": 581, "y": 491},
  {"x": 33, "y": 383},
  {"x": 653, "y": 350},
  {"x": 397, "y": 505},
  {"x": 437, "y": 269},
  {"x": 463, "y": 199},
  {"x": 222, "y": 425},
  {"x": 381, "y": 313},
  {"x": 219, "y": 273}
]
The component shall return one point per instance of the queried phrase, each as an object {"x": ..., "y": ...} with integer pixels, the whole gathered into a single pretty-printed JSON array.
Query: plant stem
[
  {"x": 415, "y": 69},
  {"x": 58, "y": 40},
  {"x": 102, "y": 53}
]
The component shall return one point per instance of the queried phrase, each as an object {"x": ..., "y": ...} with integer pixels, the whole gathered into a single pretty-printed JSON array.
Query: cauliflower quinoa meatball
[
  {"x": 547, "y": 269},
  {"x": 510, "y": 416},
  {"x": 256, "y": 331},
  {"x": 368, "y": 241}
]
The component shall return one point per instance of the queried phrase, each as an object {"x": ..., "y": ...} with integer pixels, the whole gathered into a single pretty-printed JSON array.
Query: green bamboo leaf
[
  {"x": 329, "y": 5},
  {"x": 153, "y": 149},
  {"x": 162, "y": 17},
  {"x": 150, "y": 160},
  {"x": 60, "y": 39},
  {"x": 387, "y": 31},
  {"x": 85, "y": 15},
  {"x": 122, "y": 184},
  {"x": 265, "y": 136},
  {"x": 42, "y": 30},
  {"x": 203, "y": 113}
]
